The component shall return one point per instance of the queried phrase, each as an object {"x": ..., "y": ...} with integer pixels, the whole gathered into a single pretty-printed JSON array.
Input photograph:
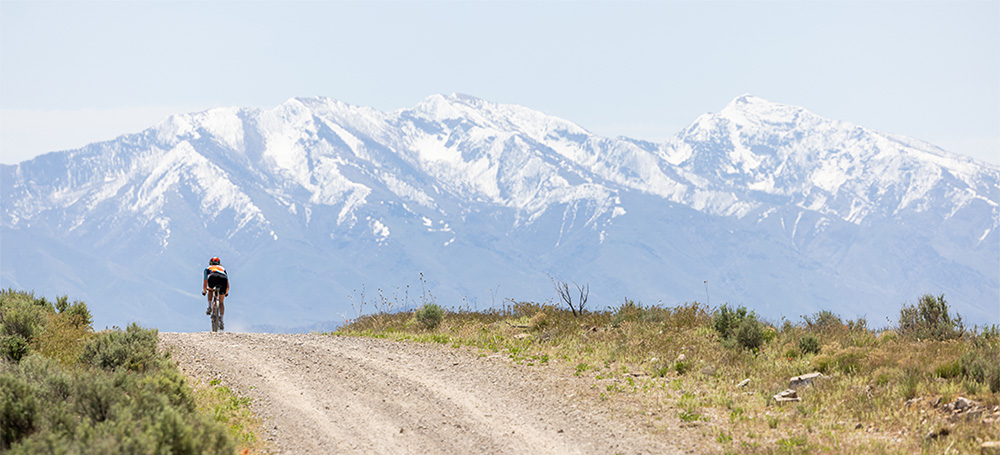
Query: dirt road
[{"x": 328, "y": 394}]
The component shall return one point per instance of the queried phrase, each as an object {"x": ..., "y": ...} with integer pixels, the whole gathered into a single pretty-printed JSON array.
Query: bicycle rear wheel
[{"x": 215, "y": 311}]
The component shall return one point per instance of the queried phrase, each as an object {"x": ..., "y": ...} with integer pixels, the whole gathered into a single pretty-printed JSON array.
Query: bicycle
[{"x": 216, "y": 317}]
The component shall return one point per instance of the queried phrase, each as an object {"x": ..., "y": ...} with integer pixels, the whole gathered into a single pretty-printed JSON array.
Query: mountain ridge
[{"x": 426, "y": 187}]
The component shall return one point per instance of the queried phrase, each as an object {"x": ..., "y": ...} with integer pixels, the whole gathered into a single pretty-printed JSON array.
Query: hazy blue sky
[{"x": 78, "y": 72}]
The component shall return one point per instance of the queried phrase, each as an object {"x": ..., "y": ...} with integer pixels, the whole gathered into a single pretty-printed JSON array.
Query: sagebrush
[{"x": 66, "y": 389}]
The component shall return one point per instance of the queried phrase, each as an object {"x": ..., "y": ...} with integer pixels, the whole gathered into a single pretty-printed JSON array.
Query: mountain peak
[
  {"x": 464, "y": 98},
  {"x": 454, "y": 102},
  {"x": 747, "y": 99},
  {"x": 445, "y": 107},
  {"x": 752, "y": 111},
  {"x": 751, "y": 103}
]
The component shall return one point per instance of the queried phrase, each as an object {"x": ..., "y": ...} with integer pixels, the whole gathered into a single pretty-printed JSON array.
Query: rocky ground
[{"x": 331, "y": 394}]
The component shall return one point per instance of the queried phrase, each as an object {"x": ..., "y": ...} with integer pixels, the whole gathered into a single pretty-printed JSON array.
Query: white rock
[{"x": 803, "y": 380}]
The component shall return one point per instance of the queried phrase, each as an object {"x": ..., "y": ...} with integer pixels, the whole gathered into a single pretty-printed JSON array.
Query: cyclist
[{"x": 215, "y": 277}]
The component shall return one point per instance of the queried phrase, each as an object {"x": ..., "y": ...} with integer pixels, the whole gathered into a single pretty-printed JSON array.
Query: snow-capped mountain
[{"x": 316, "y": 206}]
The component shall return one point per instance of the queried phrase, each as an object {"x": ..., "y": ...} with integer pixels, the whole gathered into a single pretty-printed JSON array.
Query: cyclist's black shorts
[{"x": 218, "y": 280}]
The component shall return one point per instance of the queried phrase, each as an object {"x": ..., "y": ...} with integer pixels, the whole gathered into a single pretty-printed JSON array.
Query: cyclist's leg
[
  {"x": 222, "y": 305},
  {"x": 211, "y": 293},
  {"x": 223, "y": 290}
]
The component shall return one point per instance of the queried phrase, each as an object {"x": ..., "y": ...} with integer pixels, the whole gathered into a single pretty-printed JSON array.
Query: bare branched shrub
[{"x": 562, "y": 288}]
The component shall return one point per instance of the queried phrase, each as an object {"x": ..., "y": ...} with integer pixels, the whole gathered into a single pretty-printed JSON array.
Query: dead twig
[{"x": 562, "y": 288}]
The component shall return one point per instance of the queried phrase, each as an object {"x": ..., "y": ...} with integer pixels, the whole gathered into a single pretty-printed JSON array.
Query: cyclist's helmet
[{"x": 214, "y": 261}]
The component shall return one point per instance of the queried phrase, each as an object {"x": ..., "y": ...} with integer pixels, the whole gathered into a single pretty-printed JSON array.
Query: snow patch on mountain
[{"x": 379, "y": 230}]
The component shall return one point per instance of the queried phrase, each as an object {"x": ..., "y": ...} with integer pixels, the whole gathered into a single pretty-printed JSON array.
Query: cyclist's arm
[
  {"x": 229, "y": 287},
  {"x": 204, "y": 286}
]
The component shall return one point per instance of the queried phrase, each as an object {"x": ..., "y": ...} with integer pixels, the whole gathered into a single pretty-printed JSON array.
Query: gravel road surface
[{"x": 333, "y": 394}]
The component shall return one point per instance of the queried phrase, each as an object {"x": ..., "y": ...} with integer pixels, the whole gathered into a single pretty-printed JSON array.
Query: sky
[{"x": 72, "y": 73}]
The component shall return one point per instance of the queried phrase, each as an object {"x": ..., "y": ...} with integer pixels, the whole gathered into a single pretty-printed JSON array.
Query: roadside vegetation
[
  {"x": 927, "y": 385},
  {"x": 67, "y": 389}
]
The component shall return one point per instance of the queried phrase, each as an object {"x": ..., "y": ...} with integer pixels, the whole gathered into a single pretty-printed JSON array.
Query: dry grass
[
  {"x": 234, "y": 412},
  {"x": 668, "y": 368}
]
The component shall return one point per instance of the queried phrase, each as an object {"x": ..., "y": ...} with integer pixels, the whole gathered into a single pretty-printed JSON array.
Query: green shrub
[
  {"x": 809, "y": 345},
  {"x": 26, "y": 323},
  {"x": 18, "y": 409},
  {"x": 95, "y": 398},
  {"x": 750, "y": 334},
  {"x": 62, "y": 303},
  {"x": 23, "y": 317},
  {"x": 134, "y": 350},
  {"x": 429, "y": 316},
  {"x": 982, "y": 363},
  {"x": 13, "y": 347},
  {"x": 65, "y": 390},
  {"x": 824, "y": 321},
  {"x": 49, "y": 408},
  {"x": 930, "y": 320},
  {"x": 858, "y": 325},
  {"x": 629, "y": 311},
  {"x": 740, "y": 327},
  {"x": 990, "y": 333},
  {"x": 727, "y": 320},
  {"x": 79, "y": 314}
]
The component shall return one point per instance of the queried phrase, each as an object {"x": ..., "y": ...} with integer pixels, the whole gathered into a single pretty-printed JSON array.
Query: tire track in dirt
[{"x": 331, "y": 394}]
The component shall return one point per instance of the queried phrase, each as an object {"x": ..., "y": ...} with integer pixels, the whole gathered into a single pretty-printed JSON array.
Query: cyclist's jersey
[{"x": 215, "y": 269}]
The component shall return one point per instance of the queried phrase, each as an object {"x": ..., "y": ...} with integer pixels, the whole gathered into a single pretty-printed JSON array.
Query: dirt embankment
[{"x": 327, "y": 394}]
